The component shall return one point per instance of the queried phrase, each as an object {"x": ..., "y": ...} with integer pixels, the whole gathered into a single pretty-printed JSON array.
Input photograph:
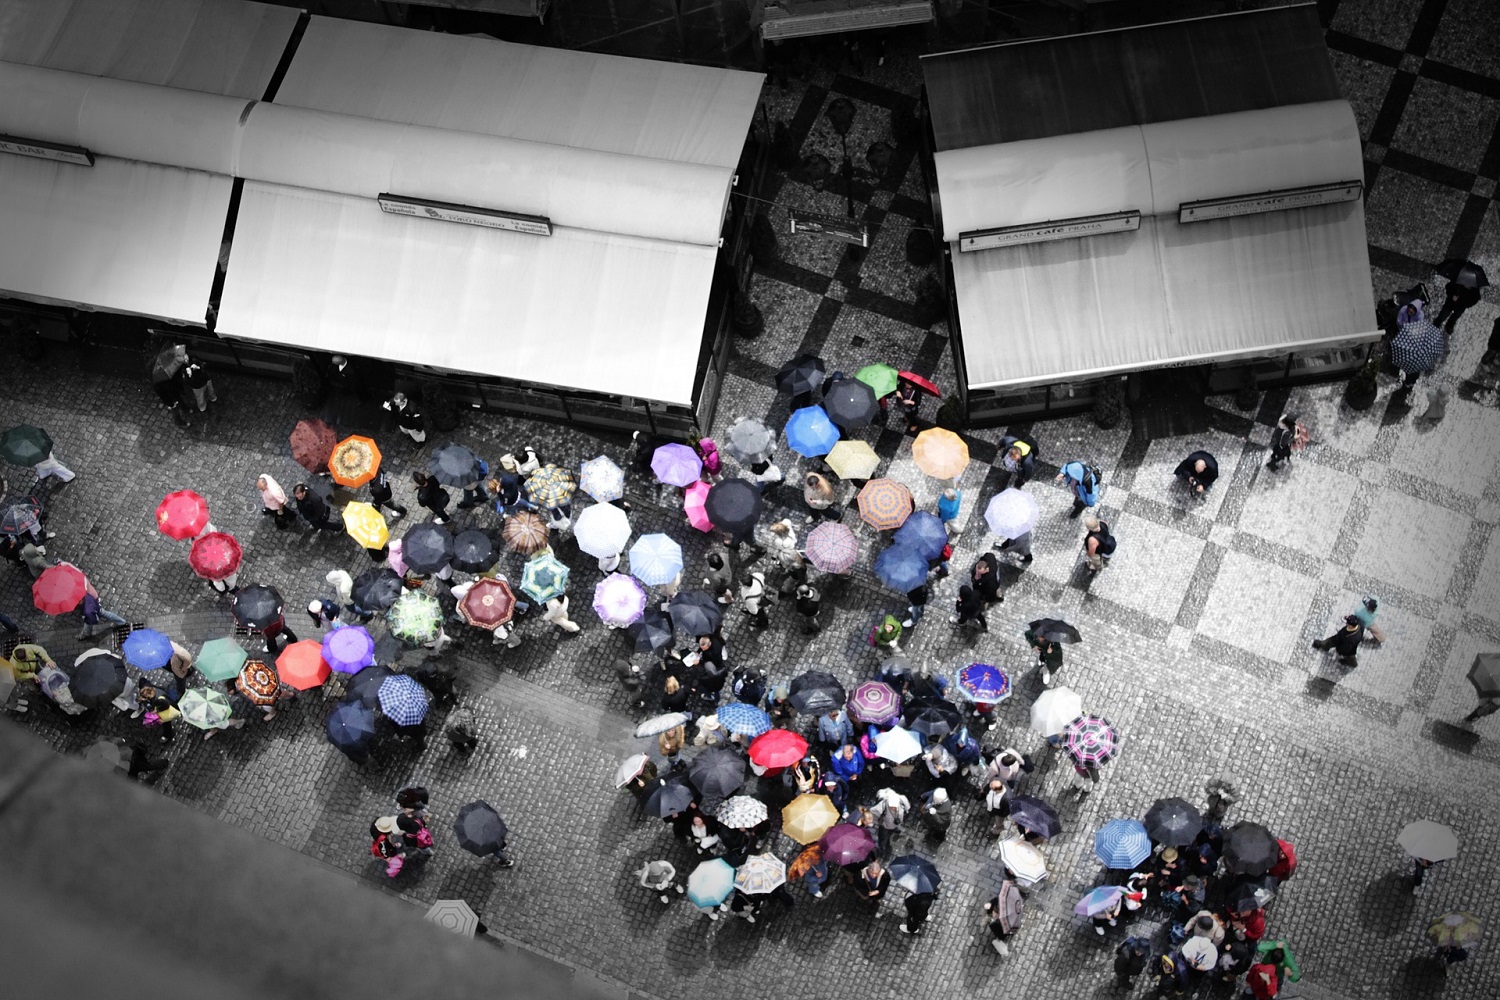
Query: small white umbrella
[
  {"x": 1011, "y": 513},
  {"x": 454, "y": 915},
  {"x": 1054, "y": 709},
  {"x": 1025, "y": 863},
  {"x": 897, "y": 745},
  {"x": 602, "y": 530}
]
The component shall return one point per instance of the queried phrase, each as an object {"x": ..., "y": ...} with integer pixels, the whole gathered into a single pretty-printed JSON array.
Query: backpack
[{"x": 1106, "y": 544}]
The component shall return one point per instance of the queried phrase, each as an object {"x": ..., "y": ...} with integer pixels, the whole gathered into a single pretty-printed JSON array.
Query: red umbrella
[
  {"x": 488, "y": 603},
  {"x": 778, "y": 748},
  {"x": 182, "y": 515},
  {"x": 920, "y": 383},
  {"x": 312, "y": 444},
  {"x": 59, "y": 589},
  {"x": 301, "y": 665},
  {"x": 215, "y": 556}
]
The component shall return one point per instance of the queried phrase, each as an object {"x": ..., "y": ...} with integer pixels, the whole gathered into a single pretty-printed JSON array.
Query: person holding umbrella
[
  {"x": 430, "y": 494},
  {"x": 1049, "y": 654},
  {"x": 1465, "y": 278}
]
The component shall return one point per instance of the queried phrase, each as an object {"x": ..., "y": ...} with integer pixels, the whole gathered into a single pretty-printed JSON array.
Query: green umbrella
[
  {"x": 25, "y": 445},
  {"x": 415, "y": 617},
  {"x": 544, "y": 578},
  {"x": 221, "y": 659},
  {"x": 880, "y": 378},
  {"x": 204, "y": 708}
]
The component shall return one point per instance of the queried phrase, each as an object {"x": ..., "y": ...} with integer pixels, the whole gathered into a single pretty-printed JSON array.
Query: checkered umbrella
[
  {"x": 924, "y": 532},
  {"x": 710, "y": 883},
  {"x": 258, "y": 682},
  {"x": 403, "y": 700},
  {"x": 759, "y": 874},
  {"x": 751, "y": 441},
  {"x": 984, "y": 683},
  {"x": 312, "y": 444},
  {"x": 676, "y": 464},
  {"x": 544, "y": 578},
  {"x": 1091, "y": 739},
  {"x": 1417, "y": 347},
  {"x": 378, "y": 588},
  {"x": 743, "y": 719},
  {"x": 601, "y": 479},
  {"x": 205, "y": 708},
  {"x": 550, "y": 487},
  {"x": 215, "y": 556},
  {"x": 181, "y": 515},
  {"x": 901, "y": 568},
  {"x": 1023, "y": 861},
  {"x": 488, "y": 604},
  {"x": 147, "y": 649},
  {"x": 21, "y": 516},
  {"x": 1122, "y": 844},
  {"x": 884, "y": 504},
  {"x": 655, "y": 559},
  {"x": 853, "y": 459},
  {"x": 1011, "y": 513},
  {"x": 940, "y": 453},
  {"x": 354, "y": 461},
  {"x": 695, "y": 505},
  {"x": 832, "y": 547},
  {"x": 807, "y": 817},
  {"x": 415, "y": 617},
  {"x": 875, "y": 703},
  {"x": 348, "y": 649},
  {"x": 220, "y": 659},
  {"x": 454, "y": 465},
  {"x": 810, "y": 433},
  {"x": 619, "y": 600},
  {"x": 881, "y": 378},
  {"x": 525, "y": 532},
  {"x": 602, "y": 530}
]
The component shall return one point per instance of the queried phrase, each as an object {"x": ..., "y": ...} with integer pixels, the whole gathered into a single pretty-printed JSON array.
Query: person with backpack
[
  {"x": 1345, "y": 641},
  {"x": 1018, "y": 457},
  {"x": 1098, "y": 544},
  {"x": 1084, "y": 480}
]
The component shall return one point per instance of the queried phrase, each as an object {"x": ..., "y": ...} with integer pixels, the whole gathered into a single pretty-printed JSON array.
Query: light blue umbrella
[
  {"x": 1098, "y": 900},
  {"x": 655, "y": 559},
  {"x": 147, "y": 649},
  {"x": 746, "y": 720},
  {"x": 403, "y": 700},
  {"x": 810, "y": 433},
  {"x": 602, "y": 479},
  {"x": 1122, "y": 843},
  {"x": 710, "y": 883},
  {"x": 901, "y": 567},
  {"x": 924, "y": 532}
]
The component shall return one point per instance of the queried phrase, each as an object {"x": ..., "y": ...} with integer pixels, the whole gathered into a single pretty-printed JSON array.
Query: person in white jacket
[
  {"x": 557, "y": 614},
  {"x": 753, "y": 598}
]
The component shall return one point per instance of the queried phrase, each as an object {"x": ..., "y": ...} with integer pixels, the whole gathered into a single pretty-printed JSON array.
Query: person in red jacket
[{"x": 1263, "y": 981}]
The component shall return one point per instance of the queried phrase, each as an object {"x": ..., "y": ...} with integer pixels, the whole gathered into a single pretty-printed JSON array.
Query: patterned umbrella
[
  {"x": 453, "y": 915},
  {"x": 1455, "y": 929},
  {"x": 1009, "y": 906},
  {"x": 59, "y": 589},
  {"x": 365, "y": 685},
  {"x": 733, "y": 505},
  {"x": 875, "y": 703},
  {"x": 479, "y": 828},
  {"x": 1098, "y": 900},
  {"x": 808, "y": 817},
  {"x": 415, "y": 617},
  {"x": 655, "y": 559},
  {"x": 258, "y": 682},
  {"x": 924, "y": 532},
  {"x": 742, "y": 812},
  {"x": 676, "y": 464},
  {"x": 717, "y": 773},
  {"x": 21, "y": 516},
  {"x": 850, "y": 403},
  {"x": 751, "y": 441},
  {"x": 454, "y": 465},
  {"x": 602, "y": 530},
  {"x": 1091, "y": 739},
  {"x": 348, "y": 649},
  {"x": 97, "y": 679},
  {"x": 550, "y": 487},
  {"x": 940, "y": 453},
  {"x": 602, "y": 479},
  {"x": 312, "y": 444},
  {"x": 810, "y": 433},
  {"x": 695, "y": 612},
  {"x": 25, "y": 445},
  {"x": 759, "y": 874},
  {"x": 403, "y": 700},
  {"x": 743, "y": 719},
  {"x": 880, "y": 378},
  {"x": 853, "y": 459},
  {"x": 205, "y": 708},
  {"x": 801, "y": 376},
  {"x": 897, "y": 745},
  {"x": 366, "y": 525},
  {"x": 488, "y": 604},
  {"x": 147, "y": 649},
  {"x": 832, "y": 547},
  {"x": 652, "y": 634},
  {"x": 354, "y": 461},
  {"x": 1054, "y": 709},
  {"x": 544, "y": 578},
  {"x": 1035, "y": 816},
  {"x": 474, "y": 551},
  {"x": 182, "y": 515},
  {"x": 816, "y": 692},
  {"x": 378, "y": 588},
  {"x": 257, "y": 607},
  {"x": 301, "y": 665},
  {"x": 847, "y": 844},
  {"x": 1023, "y": 861},
  {"x": 619, "y": 600},
  {"x": 915, "y": 873},
  {"x": 220, "y": 659},
  {"x": 216, "y": 555},
  {"x": 427, "y": 548},
  {"x": 778, "y": 748},
  {"x": 884, "y": 504},
  {"x": 1011, "y": 513},
  {"x": 1417, "y": 347},
  {"x": 901, "y": 568},
  {"x": 984, "y": 683},
  {"x": 1122, "y": 844},
  {"x": 710, "y": 883},
  {"x": 525, "y": 532},
  {"x": 1173, "y": 822},
  {"x": 1249, "y": 849}
]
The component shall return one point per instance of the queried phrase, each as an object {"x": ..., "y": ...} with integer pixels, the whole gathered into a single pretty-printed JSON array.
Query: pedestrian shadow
[
  {"x": 1388, "y": 904},
  {"x": 1420, "y": 976},
  {"x": 1453, "y": 737}
]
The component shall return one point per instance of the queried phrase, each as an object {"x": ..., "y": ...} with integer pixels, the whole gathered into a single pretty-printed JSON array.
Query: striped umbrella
[
  {"x": 1023, "y": 861},
  {"x": 1091, "y": 739},
  {"x": 181, "y": 515},
  {"x": 743, "y": 719},
  {"x": 875, "y": 703},
  {"x": 601, "y": 479},
  {"x": 354, "y": 461},
  {"x": 655, "y": 559},
  {"x": 1122, "y": 844},
  {"x": 760, "y": 874},
  {"x": 832, "y": 547},
  {"x": 205, "y": 708},
  {"x": 619, "y": 600},
  {"x": 940, "y": 453},
  {"x": 403, "y": 700},
  {"x": 853, "y": 459},
  {"x": 525, "y": 532},
  {"x": 1009, "y": 906},
  {"x": 550, "y": 487},
  {"x": 544, "y": 578},
  {"x": 676, "y": 464},
  {"x": 349, "y": 649},
  {"x": 884, "y": 504}
]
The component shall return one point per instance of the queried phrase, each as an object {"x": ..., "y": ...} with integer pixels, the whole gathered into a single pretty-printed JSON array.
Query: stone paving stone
[
  {"x": 1300, "y": 506},
  {"x": 1161, "y": 567},
  {"x": 1256, "y": 606},
  {"x": 1398, "y": 526}
]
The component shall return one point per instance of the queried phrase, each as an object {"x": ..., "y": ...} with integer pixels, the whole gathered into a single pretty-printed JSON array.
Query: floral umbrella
[
  {"x": 348, "y": 649},
  {"x": 354, "y": 461},
  {"x": 488, "y": 604},
  {"x": 312, "y": 444},
  {"x": 832, "y": 547},
  {"x": 415, "y": 617},
  {"x": 182, "y": 515},
  {"x": 525, "y": 532},
  {"x": 258, "y": 682},
  {"x": 619, "y": 600},
  {"x": 984, "y": 683},
  {"x": 550, "y": 487},
  {"x": 602, "y": 479},
  {"x": 760, "y": 874},
  {"x": 215, "y": 556},
  {"x": 205, "y": 708},
  {"x": 366, "y": 525},
  {"x": 544, "y": 578},
  {"x": 742, "y": 812},
  {"x": 1455, "y": 929},
  {"x": 884, "y": 504},
  {"x": 940, "y": 453}
]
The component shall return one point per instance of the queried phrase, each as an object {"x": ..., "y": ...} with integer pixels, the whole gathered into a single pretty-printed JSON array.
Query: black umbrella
[
  {"x": 915, "y": 874},
  {"x": 378, "y": 588},
  {"x": 351, "y": 724},
  {"x": 167, "y": 363},
  {"x": 717, "y": 773},
  {"x": 25, "y": 445},
  {"x": 932, "y": 717},
  {"x": 474, "y": 551},
  {"x": 257, "y": 607},
  {"x": 733, "y": 505},
  {"x": 1484, "y": 674},
  {"x": 695, "y": 612},
  {"x": 479, "y": 828},
  {"x": 1251, "y": 894},
  {"x": 666, "y": 796},
  {"x": 816, "y": 692},
  {"x": 365, "y": 685},
  {"x": 454, "y": 465},
  {"x": 1035, "y": 816},
  {"x": 651, "y": 633},
  {"x": 1249, "y": 849},
  {"x": 1173, "y": 822},
  {"x": 850, "y": 403},
  {"x": 97, "y": 680},
  {"x": 801, "y": 375},
  {"x": 427, "y": 548},
  {"x": 1463, "y": 272},
  {"x": 1055, "y": 630}
]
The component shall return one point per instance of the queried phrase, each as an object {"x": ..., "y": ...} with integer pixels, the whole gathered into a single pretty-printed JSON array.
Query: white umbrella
[
  {"x": 1428, "y": 841},
  {"x": 658, "y": 724},
  {"x": 897, "y": 745},
  {"x": 454, "y": 915},
  {"x": 1054, "y": 709},
  {"x": 1011, "y": 513},
  {"x": 632, "y": 768},
  {"x": 1024, "y": 862},
  {"x": 602, "y": 530},
  {"x": 741, "y": 812}
]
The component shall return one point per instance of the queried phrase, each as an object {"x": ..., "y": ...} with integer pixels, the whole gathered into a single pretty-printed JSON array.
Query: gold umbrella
[
  {"x": 525, "y": 532},
  {"x": 940, "y": 453},
  {"x": 853, "y": 459},
  {"x": 808, "y": 817},
  {"x": 366, "y": 525}
]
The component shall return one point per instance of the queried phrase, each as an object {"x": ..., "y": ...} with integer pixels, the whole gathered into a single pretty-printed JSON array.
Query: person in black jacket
[
  {"x": 1456, "y": 301},
  {"x": 969, "y": 608},
  {"x": 1345, "y": 641},
  {"x": 985, "y": 579},
  {"x": 382, "y": 496},
  {"x": 430, "y": 494},
  {"x": 313, "y": 508},
  {"x": 1200, "y": 470},
  {"x": 917, "y": 906},
  {"x": 1282, "y": 438}
]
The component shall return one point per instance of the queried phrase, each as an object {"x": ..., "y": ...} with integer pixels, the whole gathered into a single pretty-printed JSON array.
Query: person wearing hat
[
  {"x": 937, "y": 812},
  {"x": 386, "y": 845},
  {"x": 1345, "y": 642},
  {"x": 323, "y": 612},
  {"x": 1200, "y": 954}
]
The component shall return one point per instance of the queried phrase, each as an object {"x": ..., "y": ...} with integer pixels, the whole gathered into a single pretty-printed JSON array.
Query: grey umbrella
[
  {"x": 751, "y": 441},
  {"x": 850, "y": 403},
  {"x": 1485, "y": 675},
  {"x": 427, "y": 548},
  {"x": 695, "y": 612},
  {"x": 717, "y": 773}
]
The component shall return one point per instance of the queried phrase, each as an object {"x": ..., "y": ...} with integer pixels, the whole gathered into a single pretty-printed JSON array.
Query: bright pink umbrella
[
  {"x": 875, "y": 703},
  {"x": 215, "y": 556},
  {"x": 182, "y": 515},
  {"x": 696, "y": 506}
]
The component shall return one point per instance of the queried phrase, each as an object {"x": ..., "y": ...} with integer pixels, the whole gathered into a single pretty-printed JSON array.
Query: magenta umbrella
[
  {"x": 676, "y": 464},
  {"x": 619, "y": 600},
  {"x": 875, "y": 703},
  {"x": 349, "y": 649},
  {"x": 696, "y": 505},
  {"x": 847, "y": 844}
]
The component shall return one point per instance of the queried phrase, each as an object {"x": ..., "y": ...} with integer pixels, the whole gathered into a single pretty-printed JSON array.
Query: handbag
[
  {"x": 150, "y": 719},
  {"x": 424, "y": 837}
]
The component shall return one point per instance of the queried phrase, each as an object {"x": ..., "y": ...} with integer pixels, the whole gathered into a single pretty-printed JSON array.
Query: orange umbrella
[
  {"x": 884, "y": 504},
  {"x": 301, "y": 665},
  {"x": 940, "y": 453},
  {"x": 354, "y": 461}
]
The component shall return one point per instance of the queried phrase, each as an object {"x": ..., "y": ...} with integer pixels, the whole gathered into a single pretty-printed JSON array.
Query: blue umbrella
[
  {"x": 147, "y": 649},
  {"x": 984, "y": 682},
  {"x": 810, "y": 433},
  {"x": 710, "y": 883},
  {"x": 746, "y": 720},
  {"x": 924, "y": 532},
  {"x": 1122, "y": 843},
  {"x": 403, "y": 700},
  {"x": 1098, "y": 900},
  {"x": 351, "y": 726},
  {"x": 655, "y": 559},
  {"x": 915, "y": 873},
  {"x": 901, "y": 567}
]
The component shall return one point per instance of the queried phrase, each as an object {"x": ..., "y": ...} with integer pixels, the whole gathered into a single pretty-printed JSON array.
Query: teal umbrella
[
  {"x": 25, "y": 445},
  {"x": 205, "y": 708},
  {"x": 221, "y": 659},
  {"x": 544, "y": 578}
]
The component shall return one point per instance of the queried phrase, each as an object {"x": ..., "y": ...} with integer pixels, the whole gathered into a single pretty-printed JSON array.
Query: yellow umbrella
[
  {"x": 940, "y": 453},
  {"x": 853, "y": 459},
  {"x": 366, "y": 525},
  {"x": 808, "y": 817}
]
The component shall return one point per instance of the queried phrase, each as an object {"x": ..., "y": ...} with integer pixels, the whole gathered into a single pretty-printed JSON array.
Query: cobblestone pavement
[{"x": 1197, "y": 638}]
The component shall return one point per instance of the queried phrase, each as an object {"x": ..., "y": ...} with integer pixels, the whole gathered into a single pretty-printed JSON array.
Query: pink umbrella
[
  {"x": 619, "y": 600},
  {"x": 832, "y": 547},
  {"x": 393, "y": 557},
  {"x": 875, "y": 703},
  {"x": 696, "y": 504}
]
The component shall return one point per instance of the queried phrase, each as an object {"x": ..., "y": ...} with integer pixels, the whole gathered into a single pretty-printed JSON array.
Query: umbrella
[
  {"x": 810, "y": 433},
  {"x": 1035, "y": 816},
  {"x": 710, "y": 883},
  {"x": 1485, "y": 675},
  {"x": 920, "y": 382},
  {"x": 1455, "y": 929},
  {"x": 415, "y": 617},
  {"x": 801, "y": 376},
  {"x": 1055, "y": 630},
  {"x": 694, "y": 502},
  {"x": 312, "y": 444},
  {"x": 479, "y": 828},
  {"x": 875, "y": 703},
  {"x": 602, "y": 530},
  {"x": 901, "y": 568},
  {"x": 453, "y": 915},
  {"x": 1417, "y": 347},
  {"x": 1463, "y": 272},
  {"x": 473, "y": 551},
  {"x": 220, "y": 659},
  {"x": 880, "y": 378},
  {"x": 1054, "y": 709},
  {"x": 1011, "y": 513},
  {"x": 695, "y": 612},
  {"x": 1009, "y": 906},
  {"x": 601, "y": 479},
  {"x": 1098, "y": 900},
  {"x": 808, "y": 817},
  {"x": 1249, "y": 849},
  {"x": 659, "y": 724},
  {"x": 488, "y": 604},
  {"x": 1091, "y": 739},
  {"x": 847, "y": 844},
  {"x": 147, "y": 649},
  {"x": 850, "y": 403},
  {"x": 351, "y": 726},
  {"x": 1023, "y": 861},
  {"x": 378, "y": 588},
  {"x": 366, "y": 525},
  {"x": 258, "y": 682},
  {"x": 257, "y": 607},
  {"x": 168, "y": 362},
  {"x": 525, "y": 532},
  {"x": 21, "y": 516},
  {"x": 832, "y": 547},
  {"x": 778, "y": 748},
  {"x": 717, "y": 773},
  {"x": 652, "y": 633},
  {"x": 215, "y": 556},
  {"x": 655, "y": 559},
  {"x": 301, "y": 665},
  {"x": 348, "y": 649},
  {"x": 733, "y": 505},
  {"x": 984, "y": 683},
  {"x": 676, "y": 464},
  {"x": 1252, "y": 894},
  {"x": 619, "y": 600},
  {"x": 454, "y": 465},
  {"x": 550, "y": 487},
  {"x": 59, "y": 589},
  {"x": 751, "y": 441},
  {"x": 897, "y": 745},
  {"x": 884, "y": 504},
  {"x": 108, "y": 754},
  {"x": 544, "y": 577},
  {"x": 427, "y": 548},
  {"x": 743, "y": 719},
  {"x": 1200, "y": 953},
  {"x": 816, "y": 692},
  {"x": 205, "y": 708},
  {"x": 182, "y": 515},
  {"x": 1428, "y": 841},
  {"x": 365, "y": 685},
  {"x": 742, "y": 812},
  {"x": 630, "y": 768},
  {"x": 940, "y": 453},
  {"x": 933, "y": 718},
  {"x": 1122, "y": 843},
  {"x": 924, "y": 532},
  {"x": 1173, "y": 822},
  {"x": 25, "y": 445},
  {"x": 915, "y": 873},
  {"x": 403, "y": 700},
  {"x": 97, "y": 679},
  {"x": 853, "y": 459},
  {"x": 354, "y": 461}
]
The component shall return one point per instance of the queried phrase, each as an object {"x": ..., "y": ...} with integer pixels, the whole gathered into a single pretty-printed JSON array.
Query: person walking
[
  {"x": 708, "y": 454},
  {"x": 1098, "y": 544},
  {"x": 969, "y": 608},
  {"x": 916, "y": 605},
  {"x": 1345, "y": 642},
  {"x": 273, "y": 501},
  {"x": 96, "y": 618},
  {"x": 1457, "y": 298},
  {"x": 1084, "y": 482},
  {"x": 1131, "y": 959},
  {"x": 51, "y": 466},
  {"x": 277, "y": 637},
  {"x": 887, "y": 636},
  {"x": 997, "y": 804},
  {"x": 1486, "y": 707},
  {"x": 984, "y": 577},
  {"x": 808, "y": 603},
  {"x": 753, "y": 598},
  {"x": 1019, "y": 546},
  {"x": 1200, "y": 470},
  {"x": 820, "y": 497},
  {"x": 1018, "y": 458},
  {"x": 323, "y": 613},
  {"x": 992, "y": 923},
  {"x": 948, "y": 506},
  {"x": 872, "y": 882},
  {"x": 408, "y": 417},
  {"x": 764, "y": 475},
  {"x": 1049, "y": 655},
  {"x": 1368, "y": 606},
  {"x": 381, "y": 495},
  {"x": 890, "y": 810},
  {"x": 314, "y": 509},
  {"x": 1283, "y": 440},
  {"x": 430, "y": 494},
  {"x": 918, "y": 904},
  {"x": 557, "y": 614},
  {"x": 719, "y": 580}
]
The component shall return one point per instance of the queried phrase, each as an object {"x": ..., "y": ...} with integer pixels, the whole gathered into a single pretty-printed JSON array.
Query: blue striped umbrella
[
  {"x": 810, "y": 433},
  {"x": 746, "y": 720},
  {"x": 924, "y": 532},
  {"x": 403, "y": 700},
  {"x": 147, "y": 649},
  {"x": 901, "y": 567},
  {"x": 1122, "y": 843}
]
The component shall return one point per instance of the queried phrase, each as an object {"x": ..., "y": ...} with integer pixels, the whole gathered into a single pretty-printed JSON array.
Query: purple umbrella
[
  {"x": 847, "y": 844},
  {"x": 348, "y": 650},
  {"x": 676, "y": 465},
  {"x": 619, "y": 600},
  {"x": 875, "y": 703}
]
